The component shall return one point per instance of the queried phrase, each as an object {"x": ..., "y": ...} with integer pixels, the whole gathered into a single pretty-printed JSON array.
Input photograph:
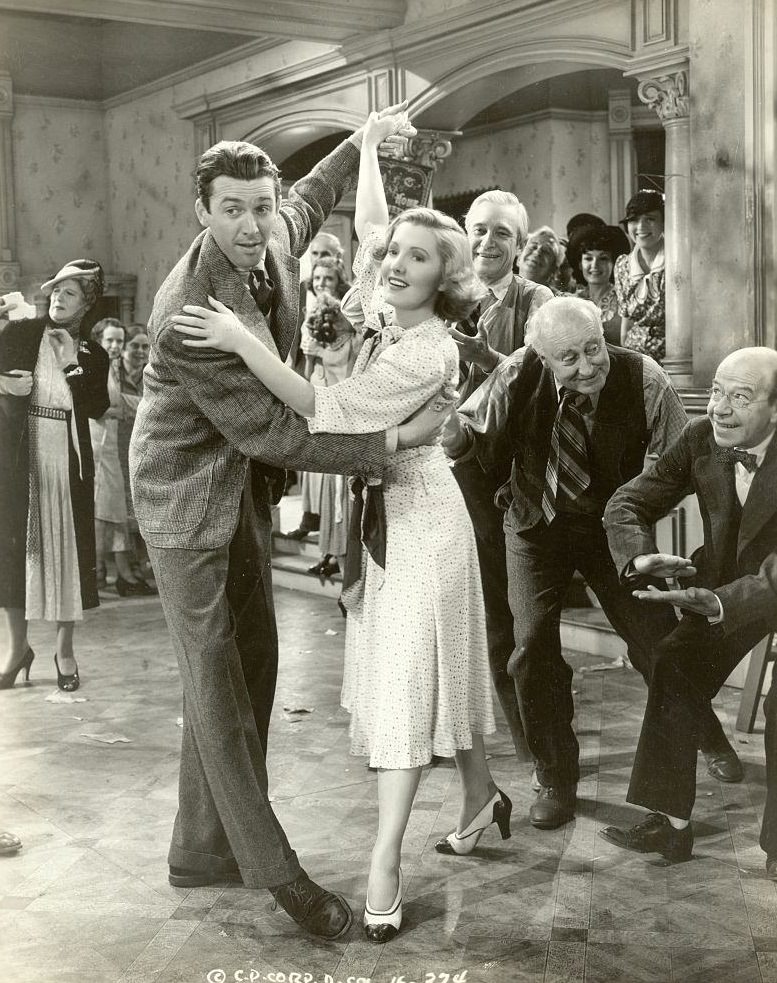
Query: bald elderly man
[{"x": 729, "y": 459}]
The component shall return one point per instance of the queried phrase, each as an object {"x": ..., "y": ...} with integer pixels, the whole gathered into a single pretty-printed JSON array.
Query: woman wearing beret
[
  {"x": 52, "y": 379},
  {"x": 593, "y": 253}
]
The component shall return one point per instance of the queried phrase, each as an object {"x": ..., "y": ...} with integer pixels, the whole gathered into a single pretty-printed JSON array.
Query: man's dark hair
[{"x": 235, "y": 159}]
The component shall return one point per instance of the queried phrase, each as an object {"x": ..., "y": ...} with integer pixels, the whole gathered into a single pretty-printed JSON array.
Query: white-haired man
[
  {"x": 497, "y": 226},
  {"x": 566, "y": 421}
]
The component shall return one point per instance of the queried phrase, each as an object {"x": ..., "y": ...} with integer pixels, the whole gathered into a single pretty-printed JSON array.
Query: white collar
[
  {"x": 594, "y": 397},
  {"x": 635, "y": 267},
  {"x": 760, "y": 449}
]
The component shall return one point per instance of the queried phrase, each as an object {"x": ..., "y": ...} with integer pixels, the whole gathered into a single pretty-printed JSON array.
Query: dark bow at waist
[{"x": 368, "y": 526}]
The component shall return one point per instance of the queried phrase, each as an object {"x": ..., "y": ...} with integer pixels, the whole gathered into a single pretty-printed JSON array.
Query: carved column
[
  {"x": 9, "y": 270},
  {"x": 668, "y": 95},
  {"x": 428, "y": 148}
]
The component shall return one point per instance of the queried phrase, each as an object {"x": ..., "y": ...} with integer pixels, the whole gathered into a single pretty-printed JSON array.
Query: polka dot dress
[{"x": 416, "y": 678}]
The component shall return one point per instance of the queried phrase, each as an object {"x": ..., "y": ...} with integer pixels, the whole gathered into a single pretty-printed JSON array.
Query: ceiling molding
[
  {"x": 310, "y": 70},
  {"x": 193, "y": 71},
  {"x": 326, "y": 20},
  {"x": 589, "y": 52},
  {"x": 513, "y": 18},
  {"x": 538, "y": 116},
  {"x": 55, "y": 102}
]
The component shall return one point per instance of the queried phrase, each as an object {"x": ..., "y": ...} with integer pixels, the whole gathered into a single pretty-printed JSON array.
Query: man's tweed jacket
[{"x": 203, "y": 414}]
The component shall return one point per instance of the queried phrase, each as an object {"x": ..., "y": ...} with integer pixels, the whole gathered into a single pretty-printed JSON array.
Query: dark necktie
[
  {"x": 567, "y": 472},
  {"x": 732, "y": 455},
  {"x": 261, "y": 287}
]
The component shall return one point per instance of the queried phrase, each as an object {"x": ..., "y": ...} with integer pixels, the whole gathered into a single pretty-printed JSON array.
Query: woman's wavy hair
[
  {"x": 460, "y": 287},
  {"x": 330, "y": 263}
]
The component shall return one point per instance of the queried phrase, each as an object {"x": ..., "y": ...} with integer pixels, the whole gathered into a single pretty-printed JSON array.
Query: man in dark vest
[
  {"x": 497, "y": 227},
  {"x": 563, "y": 423},
  {"x": 729, "y": 458}
]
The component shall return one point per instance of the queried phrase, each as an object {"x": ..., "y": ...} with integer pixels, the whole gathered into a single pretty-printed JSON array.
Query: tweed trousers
[{"x": 219, "y": 610}]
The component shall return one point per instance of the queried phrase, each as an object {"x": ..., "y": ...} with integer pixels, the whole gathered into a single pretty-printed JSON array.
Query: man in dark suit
[
  {"x": 207, "y": 457},
  {"x": 729, "y": 459},
  {"x": 497, "y": 227},
  {"x": 562, "y": 423}
]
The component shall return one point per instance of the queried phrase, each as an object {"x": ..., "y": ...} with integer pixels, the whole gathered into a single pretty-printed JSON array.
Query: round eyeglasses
[{"x": 737, "y": 401}]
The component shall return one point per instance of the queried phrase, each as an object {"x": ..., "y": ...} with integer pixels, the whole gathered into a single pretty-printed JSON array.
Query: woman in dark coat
[{"x": 52, "y": 379}]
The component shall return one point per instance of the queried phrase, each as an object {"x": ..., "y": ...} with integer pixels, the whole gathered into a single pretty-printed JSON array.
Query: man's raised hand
[
  {"x": 664, "y": 565},
  {"x": 696, "y": 599},
  {"x": 475, "y": 348}
]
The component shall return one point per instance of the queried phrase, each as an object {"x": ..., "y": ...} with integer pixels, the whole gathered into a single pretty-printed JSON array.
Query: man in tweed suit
[{"x": 208, "y": 452}]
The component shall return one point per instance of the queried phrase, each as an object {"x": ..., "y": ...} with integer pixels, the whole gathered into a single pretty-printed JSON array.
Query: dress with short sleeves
[
  {"x": 642, "y": 298},
  {"x": 416, "y": 678}
]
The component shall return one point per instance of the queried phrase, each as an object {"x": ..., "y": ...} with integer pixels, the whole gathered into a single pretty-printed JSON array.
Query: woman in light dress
[{"x": 416, "y": 678}]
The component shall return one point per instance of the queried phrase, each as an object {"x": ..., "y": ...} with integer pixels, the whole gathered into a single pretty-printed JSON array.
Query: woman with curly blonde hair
[{"x": 416, "y": 679}]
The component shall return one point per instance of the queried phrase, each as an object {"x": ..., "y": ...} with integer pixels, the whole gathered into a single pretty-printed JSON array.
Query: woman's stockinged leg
[
  {"x": 477, "y": 785},
  {"x": 396, "y": 791},
  {"x": 13, "y": 637},
  {"x": 65, "y": 656}
]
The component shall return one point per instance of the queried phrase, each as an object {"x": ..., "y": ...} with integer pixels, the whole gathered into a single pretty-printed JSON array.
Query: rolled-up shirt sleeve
[{"x": 484, "y": 416}]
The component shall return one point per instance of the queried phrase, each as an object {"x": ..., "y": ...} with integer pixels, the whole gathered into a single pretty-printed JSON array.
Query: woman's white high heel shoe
[
  {"x": 382, "y": 926},
  {"x": 496, "y": 810}
]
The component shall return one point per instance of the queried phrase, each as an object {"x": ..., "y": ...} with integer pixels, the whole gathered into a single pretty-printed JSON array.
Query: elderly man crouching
[
  {"x": 729, "y": 458},
  {"x": 564, "y": 422}
]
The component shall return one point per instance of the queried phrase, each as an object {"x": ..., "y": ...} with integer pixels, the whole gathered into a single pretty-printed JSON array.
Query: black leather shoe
[
  {"x": 554, "y": 806},
  {"x": 724, "y": 765},
  {"x": 136, "y": 588},
  {"x": 771, "y": 868},
  {"x": 67, "y": 683},
  {"x": 183, "y": 877},
  {"x": 655, "y": 835},
  {"x": 315, "y": 909}
]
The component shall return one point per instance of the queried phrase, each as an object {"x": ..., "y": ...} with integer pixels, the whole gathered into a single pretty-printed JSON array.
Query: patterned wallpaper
[
  {"x": 557, "y": 167},
  {"x": 60, "y": 183},
  {"x": 151, "y": 191}
]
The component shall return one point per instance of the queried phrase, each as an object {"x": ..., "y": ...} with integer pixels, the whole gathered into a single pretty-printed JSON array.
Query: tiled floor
[{"x": 87, "y": 899}]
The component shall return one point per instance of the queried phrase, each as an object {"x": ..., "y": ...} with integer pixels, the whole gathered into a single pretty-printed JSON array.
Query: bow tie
[{"x": 732, "y": 455}]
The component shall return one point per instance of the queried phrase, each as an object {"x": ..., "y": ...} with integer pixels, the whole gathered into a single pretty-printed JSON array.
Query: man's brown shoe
[
  {"x": 655, "y": 835},
  {"x": 315, "y": 909},
  {"x": 554, "y": 806}
]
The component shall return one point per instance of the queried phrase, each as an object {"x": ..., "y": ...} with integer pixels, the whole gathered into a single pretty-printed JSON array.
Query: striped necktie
[
  {"x": 567, "y": 474},
  {"x": 261, "y": 287}
]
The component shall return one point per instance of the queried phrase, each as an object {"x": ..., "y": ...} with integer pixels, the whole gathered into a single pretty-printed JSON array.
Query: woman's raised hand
[
  {"x": 63, "y": 345},
  {"x": 390, "y": 127},
  {"x": 218, "y": 328}
]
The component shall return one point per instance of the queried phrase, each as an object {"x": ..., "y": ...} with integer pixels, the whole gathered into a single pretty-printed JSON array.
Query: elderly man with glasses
[{"x": 729, "y": 459}]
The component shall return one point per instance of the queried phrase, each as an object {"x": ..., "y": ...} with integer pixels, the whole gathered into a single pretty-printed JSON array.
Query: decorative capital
[
  {"x": 429, "y": 147},
  {"x": 667, "y": 95},
  {"x": 9, "y": 277}
]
